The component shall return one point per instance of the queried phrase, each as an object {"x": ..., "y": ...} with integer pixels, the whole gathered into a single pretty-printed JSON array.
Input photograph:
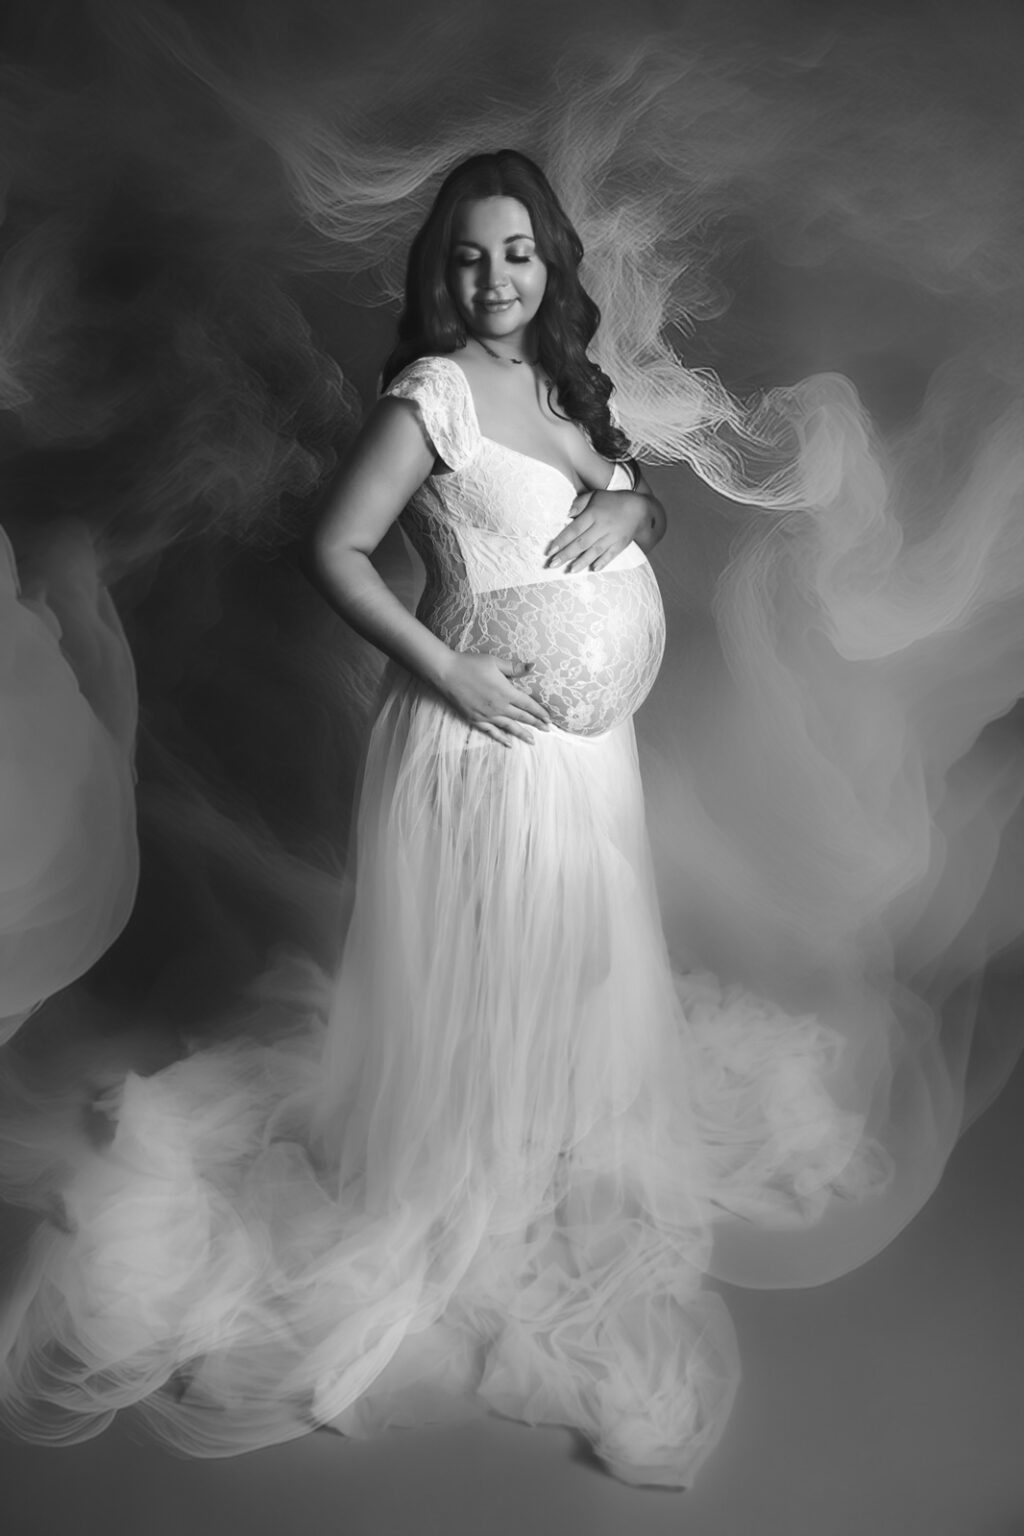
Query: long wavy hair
[{"x": 565, "y": 323}]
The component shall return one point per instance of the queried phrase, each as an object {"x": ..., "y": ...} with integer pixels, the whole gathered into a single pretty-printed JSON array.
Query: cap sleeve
[{"x": 439, "y": 390}]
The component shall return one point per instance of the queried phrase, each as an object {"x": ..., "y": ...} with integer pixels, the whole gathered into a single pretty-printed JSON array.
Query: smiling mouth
[{"x": 495, "y": 306}]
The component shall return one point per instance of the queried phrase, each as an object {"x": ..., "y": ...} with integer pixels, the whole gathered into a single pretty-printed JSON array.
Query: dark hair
[{"x": 567, "y": 319}]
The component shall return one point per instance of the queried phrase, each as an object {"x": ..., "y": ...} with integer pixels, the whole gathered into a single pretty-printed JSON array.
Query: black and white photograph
[{"x": 511, "y": 768}]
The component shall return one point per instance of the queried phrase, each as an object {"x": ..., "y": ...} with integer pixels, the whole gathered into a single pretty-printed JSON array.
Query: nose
[{"x": 494, "y": 276}]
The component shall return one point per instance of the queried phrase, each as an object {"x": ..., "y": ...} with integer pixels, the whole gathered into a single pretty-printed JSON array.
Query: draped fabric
[
  {"x": 806, "y": 916},
  {"x": 506, "y": 1122}
]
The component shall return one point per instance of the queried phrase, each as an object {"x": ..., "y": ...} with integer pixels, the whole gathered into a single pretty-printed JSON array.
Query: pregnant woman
[
  {"x": 489, "y": 1172},
  {"x": 529, "y": 1078}
]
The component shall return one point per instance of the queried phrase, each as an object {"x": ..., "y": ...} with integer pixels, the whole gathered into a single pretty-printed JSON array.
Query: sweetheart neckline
[
  {"x": 545, "y": 464},
  {"x": 531, "y": 458}
]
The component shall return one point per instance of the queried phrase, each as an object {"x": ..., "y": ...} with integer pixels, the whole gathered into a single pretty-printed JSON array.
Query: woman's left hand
[{"x": 604, "y": 523}]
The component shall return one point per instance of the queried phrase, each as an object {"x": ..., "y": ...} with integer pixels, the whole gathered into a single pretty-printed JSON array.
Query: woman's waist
[
  {"x": 495, "y": 560},
  {"x": 490, "y": 568},
  {"x": 628, "y": 559},
  {"x": 628, "y": 573},
  {"x": 619, "y": 601}
]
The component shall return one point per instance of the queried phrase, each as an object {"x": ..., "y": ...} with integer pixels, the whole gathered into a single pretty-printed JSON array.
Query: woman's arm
[
  {"x": 389, "y": 460},
  {"x": 653, "y": 529}
]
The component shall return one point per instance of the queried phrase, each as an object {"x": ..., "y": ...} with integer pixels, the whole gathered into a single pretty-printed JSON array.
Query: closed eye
[{"x": 471, "y": 261}]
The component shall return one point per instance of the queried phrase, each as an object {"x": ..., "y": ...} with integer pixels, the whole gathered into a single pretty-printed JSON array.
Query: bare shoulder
[
  {"x": 391, "y": 449},
  {"x": 475, "y": 377}
]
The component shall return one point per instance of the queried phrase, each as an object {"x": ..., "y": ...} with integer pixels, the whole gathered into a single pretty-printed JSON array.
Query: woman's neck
[{"x": 507, "y": 351}]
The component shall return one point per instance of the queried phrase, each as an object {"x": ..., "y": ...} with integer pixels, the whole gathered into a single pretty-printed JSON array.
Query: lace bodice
[{"x": 481, "y": 527}]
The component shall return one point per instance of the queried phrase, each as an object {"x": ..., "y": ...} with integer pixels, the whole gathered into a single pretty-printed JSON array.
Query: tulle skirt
[{"x": 478, "y": 1169}]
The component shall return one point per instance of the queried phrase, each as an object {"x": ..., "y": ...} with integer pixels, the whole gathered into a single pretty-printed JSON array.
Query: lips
[{"x": 495, "y": 306}]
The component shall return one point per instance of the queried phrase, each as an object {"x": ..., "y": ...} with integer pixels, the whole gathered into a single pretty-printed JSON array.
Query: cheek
[
  {"x": 537, "y": 283},
  {"x": 459, "y": 287}
]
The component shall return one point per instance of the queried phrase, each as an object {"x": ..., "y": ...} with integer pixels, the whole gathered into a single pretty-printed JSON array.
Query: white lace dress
[
  {"x": 487, "y": 1176},
  {"x": 596, "y": 638}
]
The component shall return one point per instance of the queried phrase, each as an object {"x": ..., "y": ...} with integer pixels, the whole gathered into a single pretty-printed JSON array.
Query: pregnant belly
[{"x": 596, "y": 640}]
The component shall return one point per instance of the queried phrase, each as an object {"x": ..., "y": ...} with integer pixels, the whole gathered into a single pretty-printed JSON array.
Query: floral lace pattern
[{"x": 481, "y": 527}]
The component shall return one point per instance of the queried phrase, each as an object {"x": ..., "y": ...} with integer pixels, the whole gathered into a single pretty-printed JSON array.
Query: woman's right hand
[{"x": 482, "y": 690}]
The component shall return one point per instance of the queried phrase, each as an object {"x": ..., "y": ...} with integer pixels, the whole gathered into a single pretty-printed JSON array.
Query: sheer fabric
[
  {"x": 597, "y": 638},
  {"x": 482, "y": 1166},
  {"x": 69, "y": 869}
]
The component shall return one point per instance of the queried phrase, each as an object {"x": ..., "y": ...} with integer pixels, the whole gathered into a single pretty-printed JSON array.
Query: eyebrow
[{"x": 509, "y": 240}]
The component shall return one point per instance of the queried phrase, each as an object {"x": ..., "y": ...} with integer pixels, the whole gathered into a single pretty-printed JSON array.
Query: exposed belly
[{"x": 596, "y": 640}]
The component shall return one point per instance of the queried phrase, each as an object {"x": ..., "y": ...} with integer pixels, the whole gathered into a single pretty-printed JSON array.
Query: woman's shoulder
[
  {"x": 436, "y": 385},
  {"x": 438, "y": 370}
]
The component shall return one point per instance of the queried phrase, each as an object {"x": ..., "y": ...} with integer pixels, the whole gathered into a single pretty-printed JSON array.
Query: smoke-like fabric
[
  {"x": 67, "y": 807},
  {"x": 205, "y": 219}
]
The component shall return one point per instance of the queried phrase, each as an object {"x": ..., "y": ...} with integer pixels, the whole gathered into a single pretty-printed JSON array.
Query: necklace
[{"x": 499, "y": 356}]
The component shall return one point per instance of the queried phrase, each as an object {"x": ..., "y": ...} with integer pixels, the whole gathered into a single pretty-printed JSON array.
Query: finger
[
  {"x": 529, "y": 717},
  {"x": 517, "y": 667},
  {"x": 488, "y": 730},
  {"x": 533, "y": 706},
  {"x": 568, "y": 551},
  {"x": 582, "y": 520},
  {"x": 568, "y": 536},
  {"x": 513, "y": 728},
  {"x": 608, "y": 551},
  {"x": 585, "y": 560}
]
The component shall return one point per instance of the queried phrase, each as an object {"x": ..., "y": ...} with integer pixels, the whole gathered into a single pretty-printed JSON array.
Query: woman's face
[{"x": 495, "y": 275}]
